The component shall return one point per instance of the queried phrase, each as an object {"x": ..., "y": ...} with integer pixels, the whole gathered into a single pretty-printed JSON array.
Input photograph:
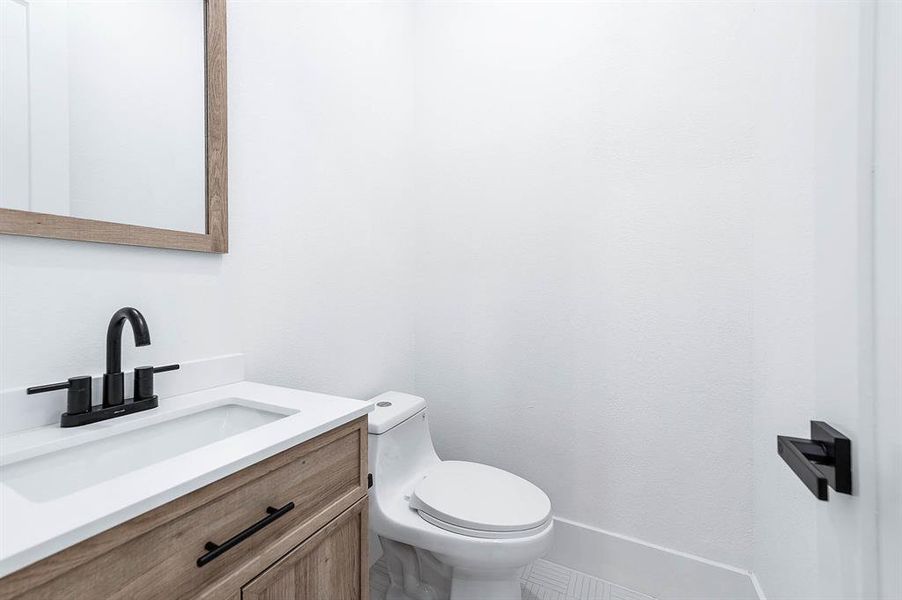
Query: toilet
[{"x": 447, "y": 529}]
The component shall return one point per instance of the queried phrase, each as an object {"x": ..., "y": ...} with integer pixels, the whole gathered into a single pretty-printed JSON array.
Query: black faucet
[
  {"x": 79, "y": 408},
  {"x": 114, "y": 378}
]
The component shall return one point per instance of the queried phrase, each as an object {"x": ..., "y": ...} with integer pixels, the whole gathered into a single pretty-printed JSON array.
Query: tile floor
[{"x": 542, "y": 580}]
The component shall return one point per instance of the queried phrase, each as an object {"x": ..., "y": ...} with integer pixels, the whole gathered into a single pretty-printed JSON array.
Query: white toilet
[{"x": 448, "y": 529}]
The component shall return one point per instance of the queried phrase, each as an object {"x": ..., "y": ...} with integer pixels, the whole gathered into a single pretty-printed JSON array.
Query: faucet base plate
[{"x": 100, "y": 413}]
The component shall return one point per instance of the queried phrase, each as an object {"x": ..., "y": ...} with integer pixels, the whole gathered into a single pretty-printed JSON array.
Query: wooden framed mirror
[{"x": 142, "y": 159}]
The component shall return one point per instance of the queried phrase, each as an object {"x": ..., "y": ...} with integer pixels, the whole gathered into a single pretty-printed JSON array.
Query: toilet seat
[
  {"x": 477, "y": 500},
  {"x": 475, "y": 533}
]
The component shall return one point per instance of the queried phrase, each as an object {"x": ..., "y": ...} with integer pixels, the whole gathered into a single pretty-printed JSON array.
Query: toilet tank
[
  {"x": 393, "y": 408},
  {"x": 400, "y": 445}
]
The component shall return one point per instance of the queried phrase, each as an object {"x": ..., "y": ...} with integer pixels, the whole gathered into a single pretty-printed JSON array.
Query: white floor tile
[{"x": 542, "y": 580}]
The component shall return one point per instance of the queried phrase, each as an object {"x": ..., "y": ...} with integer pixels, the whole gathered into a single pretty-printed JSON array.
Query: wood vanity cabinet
[
  {"x": 321, "y": 563},
  {"x": 315, "y": 550}
]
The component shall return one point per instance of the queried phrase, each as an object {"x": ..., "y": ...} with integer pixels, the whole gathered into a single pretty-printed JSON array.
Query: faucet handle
[
  {"x": 50, "y": 387},
  {"x": 79, "y": 396},
  {"x": 144, "y": 379}
]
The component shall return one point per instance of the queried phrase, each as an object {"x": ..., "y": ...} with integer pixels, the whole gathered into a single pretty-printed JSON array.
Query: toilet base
[
  {"x": 416, "y": 574},
  {"x": 468, "y": 584}
]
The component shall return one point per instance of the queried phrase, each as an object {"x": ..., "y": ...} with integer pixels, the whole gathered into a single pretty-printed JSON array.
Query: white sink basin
[{"x": 68, "y": 470}]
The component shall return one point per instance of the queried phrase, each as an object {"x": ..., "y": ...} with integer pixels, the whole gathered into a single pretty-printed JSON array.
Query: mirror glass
[{"x": 102, "y": 110}]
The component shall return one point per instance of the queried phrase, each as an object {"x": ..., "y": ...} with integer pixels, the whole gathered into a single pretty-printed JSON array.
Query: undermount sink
[{"x": 65, "y": 471}]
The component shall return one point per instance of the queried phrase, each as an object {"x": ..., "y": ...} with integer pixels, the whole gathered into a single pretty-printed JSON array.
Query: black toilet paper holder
[{"x": 824, "y": 460}]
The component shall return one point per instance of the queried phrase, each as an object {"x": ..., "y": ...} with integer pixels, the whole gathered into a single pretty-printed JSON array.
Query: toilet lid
[{"x": 478, "y": 497}]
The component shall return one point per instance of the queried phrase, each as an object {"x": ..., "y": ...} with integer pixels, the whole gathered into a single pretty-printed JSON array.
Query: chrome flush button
[{"x": 383, "y": 404}]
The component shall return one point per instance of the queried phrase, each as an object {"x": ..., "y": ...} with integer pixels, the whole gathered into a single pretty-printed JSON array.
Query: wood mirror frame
[{"x": 216, "y": 238}]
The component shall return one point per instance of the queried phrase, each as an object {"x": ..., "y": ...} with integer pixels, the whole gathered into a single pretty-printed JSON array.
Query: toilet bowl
[{"x": 448, "y": 529}]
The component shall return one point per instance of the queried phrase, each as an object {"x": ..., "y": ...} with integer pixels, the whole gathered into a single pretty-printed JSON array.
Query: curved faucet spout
[{"x": 114, "y": 336}]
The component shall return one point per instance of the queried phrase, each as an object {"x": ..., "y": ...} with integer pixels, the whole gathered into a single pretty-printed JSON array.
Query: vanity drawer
[{"x": 155, "y": 555}]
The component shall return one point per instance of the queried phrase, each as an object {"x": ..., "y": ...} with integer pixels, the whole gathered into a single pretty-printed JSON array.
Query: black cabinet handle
[{"x": 214, "y": 550}]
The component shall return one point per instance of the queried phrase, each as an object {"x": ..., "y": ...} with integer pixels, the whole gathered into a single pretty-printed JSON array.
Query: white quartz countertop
[{"x": 32, "y": 528}]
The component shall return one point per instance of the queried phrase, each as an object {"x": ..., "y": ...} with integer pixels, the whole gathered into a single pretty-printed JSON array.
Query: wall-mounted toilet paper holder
[{"x": 825, "y": 459}]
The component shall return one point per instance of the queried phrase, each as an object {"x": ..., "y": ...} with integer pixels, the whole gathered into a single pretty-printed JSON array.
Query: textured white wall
[
  {"x": 783, "y": 304},
  {"x": 813, "y": 308},
  {"x": 57, "y": 297},
  {"x": 643, "y": 255},
  {"x": 320, "y": 111},
  {"x": 587, "y": 175},
  {"x": 623, "y": 259},
  {"x": 888, "y": 276}
]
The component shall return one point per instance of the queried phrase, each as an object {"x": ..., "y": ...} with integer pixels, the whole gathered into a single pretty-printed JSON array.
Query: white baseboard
[{"x": 654, "y": 570}]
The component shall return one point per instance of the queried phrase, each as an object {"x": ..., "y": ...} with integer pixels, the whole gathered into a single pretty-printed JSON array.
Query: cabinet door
[{"x": 331, "y": 565}]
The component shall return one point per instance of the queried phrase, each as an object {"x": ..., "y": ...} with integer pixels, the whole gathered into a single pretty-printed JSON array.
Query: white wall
[
  {"x": 623, "y": 259},
  {"x": 888, "y": 276},
  {"x": 815, "y": 354},
  {"x": 57, "y": 297},
  {"x": 844, "y": 290},
  {"x": 586, "y": 179},
  {"x": 783, "y": 304},
  {"x": 320, "y": 112},
  {"x": 316, "y": 287}
]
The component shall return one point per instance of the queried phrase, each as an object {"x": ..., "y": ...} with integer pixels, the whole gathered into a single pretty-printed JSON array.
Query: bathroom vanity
[{"x": 244, "y": 491}]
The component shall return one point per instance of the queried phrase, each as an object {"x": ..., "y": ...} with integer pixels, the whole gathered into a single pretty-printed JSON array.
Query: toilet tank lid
[{"x": 393, "y": 408}]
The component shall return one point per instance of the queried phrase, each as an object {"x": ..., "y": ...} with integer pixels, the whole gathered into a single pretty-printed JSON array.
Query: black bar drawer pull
[
  {"x": 824, "y": 460},
  {"x": 214, "y": 550}
]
